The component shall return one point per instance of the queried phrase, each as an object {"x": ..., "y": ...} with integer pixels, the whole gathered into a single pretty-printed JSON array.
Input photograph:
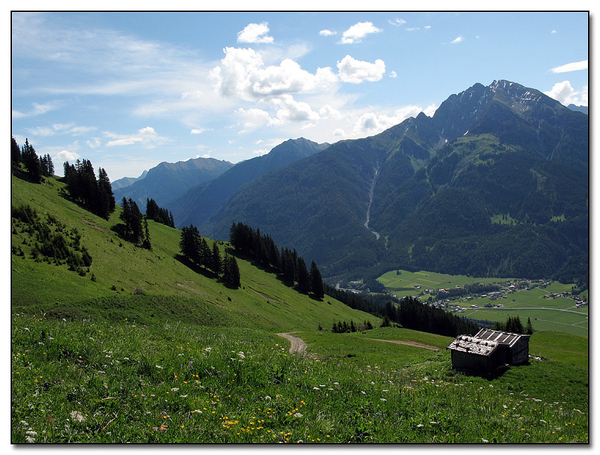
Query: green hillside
[
  {"x": 125, "y": 281},
  {"x": 138, "y": 348}
]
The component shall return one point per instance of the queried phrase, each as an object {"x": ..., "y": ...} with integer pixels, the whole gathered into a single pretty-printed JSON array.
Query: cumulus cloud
[
  {"x": 375, "y": 122},
  {"x": 253, "y": 118},
  {"x": 393, "y": 74},
  {"x": 564, "y": 93},
  {"x": 242, "y": 74},
  {"x": 291, "y": 110},
  {"x": 65, "y": 155},
  {"x": 357, "y": 71},
  {"x": 458, "y": 39},
  {"x": 255, "y": 33},
  {"x": 327, "y": 32},
  {"x": 358, "y": 31},
  {"x": 575, "y": 66},
  {"x": 146, "y": 137}
]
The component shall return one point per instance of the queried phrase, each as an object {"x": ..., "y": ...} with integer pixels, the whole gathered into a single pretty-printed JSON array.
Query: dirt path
[
  {"x": 409, "y": 343},
  {"x": 298, "y": 346}
]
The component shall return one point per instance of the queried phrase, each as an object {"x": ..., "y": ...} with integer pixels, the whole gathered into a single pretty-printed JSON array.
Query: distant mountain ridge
[
  {"x": 495, "y": 183},
  {"x": 167, "y": 181},
  {"x": 127, "y": 181},
  {"x": 198, "y": 203}
]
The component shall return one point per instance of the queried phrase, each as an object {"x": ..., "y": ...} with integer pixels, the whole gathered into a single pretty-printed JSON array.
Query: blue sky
[{"x": 129, "y": 90}]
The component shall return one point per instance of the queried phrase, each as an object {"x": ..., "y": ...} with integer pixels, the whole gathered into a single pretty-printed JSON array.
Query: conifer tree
[
  {"x": 303, "y": 276},
  {"x": 231, "y": 272},
  {"x": 316, "y": 282}
]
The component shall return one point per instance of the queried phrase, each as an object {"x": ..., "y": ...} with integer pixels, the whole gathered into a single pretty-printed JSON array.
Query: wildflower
[
  {"x": 78, "y": 416},
  {"x": 484, "y": 440},
  {"x": 297, "y": 414},
  {"x": 159, "y": 367}
]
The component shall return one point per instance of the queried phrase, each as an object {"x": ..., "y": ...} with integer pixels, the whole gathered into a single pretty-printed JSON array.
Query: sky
[{"x": 128, "y": 90}]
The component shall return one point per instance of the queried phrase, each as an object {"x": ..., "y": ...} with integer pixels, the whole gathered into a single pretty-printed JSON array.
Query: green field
[
  {"x": 139, "y": 348},
  {"x": 554, "y": 314}
]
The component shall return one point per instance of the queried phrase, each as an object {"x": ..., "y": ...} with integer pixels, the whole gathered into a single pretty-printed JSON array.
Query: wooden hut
[{"x": 488, "y": 350}]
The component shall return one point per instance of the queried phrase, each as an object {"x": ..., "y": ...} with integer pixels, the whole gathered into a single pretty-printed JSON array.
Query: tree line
[
  {"x": 285, "y": 262},
  {"x": 194, "y": 248},
  {"x": 159, "y": 214},
  {"x": 412, "y": 314},
  {"x": 36, "y": 166},
  {"x": 96, "y": 195}
]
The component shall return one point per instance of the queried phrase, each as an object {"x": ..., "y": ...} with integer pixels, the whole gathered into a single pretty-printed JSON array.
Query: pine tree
[
  {"x": 15, "y": 152},
  {"x": 303, "y": 276},
  {"x": 31, "y": 162},
  {"x": 231, "y": 272},
  {"x": 529, "y": 327},
  {"x": 215, "y": 264},
  {"x": 316, "y": 282},
  {"x": 190, "y": 243}
]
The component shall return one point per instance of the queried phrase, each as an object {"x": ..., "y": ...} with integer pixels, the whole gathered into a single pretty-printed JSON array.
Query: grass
[
  {"x": 528, "y": 301},
  {"x": 95, "y": 382},
  {"x": 151, "y": 351}
]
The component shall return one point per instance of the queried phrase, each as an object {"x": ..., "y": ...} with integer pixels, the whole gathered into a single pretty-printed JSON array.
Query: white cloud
[
  {"x": 328, "y": 112},
  {"x": 413, "y": 29},
  {"x": 564, "y": 93},
  {"x": 65, "y": 155},
  {"x": 357, "y": 71},
  {"x": 397, "y": 22},
  {"x": 261, "y": 152},
  {"x": 255, "y": 33},
  {"x": 242, "y": 74},
  {"x": 198, "y": 130},
  {"x": 393, "y": 74},
  {"x": 37, "y": 109},
  {"x": 575, "y": 66},
  {"x": 93, "y": 143},
  {"x": 147, "y": 137},
  {"x": 327, "y": 32},
  {"x": 458, "y": 39},
  {"x": 194, "y": 94},
  {"x": 373, "y": 122},
  {"x": 357, "y": 32},
  {"x": 253, "y": 118},
  {"x": 293, "y": 111}
]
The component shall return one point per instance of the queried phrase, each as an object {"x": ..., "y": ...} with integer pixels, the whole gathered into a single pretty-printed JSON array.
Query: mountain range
[
  {"x": 494, "y": 184},
  {"x": 166, "y": 181}
]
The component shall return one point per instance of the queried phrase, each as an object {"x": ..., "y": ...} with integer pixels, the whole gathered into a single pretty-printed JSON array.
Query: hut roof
[
  {"x": 473, "y": 345},
  {"x": 505, "y": 338}
]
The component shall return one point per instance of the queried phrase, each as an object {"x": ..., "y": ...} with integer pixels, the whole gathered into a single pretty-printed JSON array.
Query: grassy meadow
[
  {"x": 528, "y": 301},
  {"x": 142, "y": 349}
]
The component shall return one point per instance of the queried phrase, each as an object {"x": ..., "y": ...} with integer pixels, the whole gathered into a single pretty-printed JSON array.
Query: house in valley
[{"x": 488, "y": 350}]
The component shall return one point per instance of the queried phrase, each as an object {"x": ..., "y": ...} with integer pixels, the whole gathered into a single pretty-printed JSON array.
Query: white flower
[
  {"x": 383, "y": 399},
  {"x": 484, "y": 440},
  {"x": 78, "y": 416},
  {"x": 175, "y": 389},
  {"x": 207, "y": 349},
  {"x": 297, "y": 414},
  {"x": 159, "y": 367}
]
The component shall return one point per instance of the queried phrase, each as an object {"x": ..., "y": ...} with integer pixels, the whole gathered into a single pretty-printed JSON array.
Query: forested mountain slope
[
  {"x": 201, "y": 201},
  {"x": 495, "y": 183}
]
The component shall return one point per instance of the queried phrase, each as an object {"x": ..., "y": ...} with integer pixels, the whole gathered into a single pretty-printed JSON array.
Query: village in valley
[{"x": 455, "y": 299}]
